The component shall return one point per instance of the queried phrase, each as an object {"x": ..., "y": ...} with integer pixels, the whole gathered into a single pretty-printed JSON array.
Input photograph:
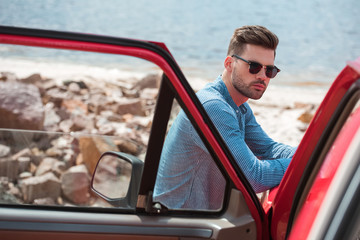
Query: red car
[{"x": 45, "y": 168}]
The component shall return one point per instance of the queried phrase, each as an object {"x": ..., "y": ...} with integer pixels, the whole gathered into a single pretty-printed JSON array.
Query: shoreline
[{"x": 278, "y": 111}]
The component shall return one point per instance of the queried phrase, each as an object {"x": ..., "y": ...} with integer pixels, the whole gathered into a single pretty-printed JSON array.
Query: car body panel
[
  {"x": 323, "y": 198},
  {"x": 284, "y": 198}
]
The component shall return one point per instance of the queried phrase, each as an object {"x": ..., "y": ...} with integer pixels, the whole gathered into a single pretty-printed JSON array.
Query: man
[{"x": 188, "y": 176}]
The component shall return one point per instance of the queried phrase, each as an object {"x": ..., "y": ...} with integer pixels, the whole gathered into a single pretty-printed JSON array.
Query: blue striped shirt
[{"x": 188, "y": 176}]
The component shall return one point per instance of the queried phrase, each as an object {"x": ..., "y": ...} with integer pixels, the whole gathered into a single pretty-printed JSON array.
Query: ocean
[{"x": 317, "y": 37}]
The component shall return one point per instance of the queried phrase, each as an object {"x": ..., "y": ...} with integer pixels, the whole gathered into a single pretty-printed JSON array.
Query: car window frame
[{"x": 159, "y": 55}]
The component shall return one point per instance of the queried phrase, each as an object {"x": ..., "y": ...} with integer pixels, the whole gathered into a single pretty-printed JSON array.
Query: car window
[
  {"x": 62, "y": 110},
  {"x": 59, "y": 111},
  {"x": 188, "y": 177}
]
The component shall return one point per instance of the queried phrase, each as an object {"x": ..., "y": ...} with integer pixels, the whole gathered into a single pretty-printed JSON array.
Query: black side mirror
[{"x": 117, "y": 179}]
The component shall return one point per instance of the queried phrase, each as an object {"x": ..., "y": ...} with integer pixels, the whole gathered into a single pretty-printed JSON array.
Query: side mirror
[{"x": 117, "y": 178}]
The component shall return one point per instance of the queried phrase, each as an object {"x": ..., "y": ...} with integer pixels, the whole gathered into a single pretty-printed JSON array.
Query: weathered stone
[
  {"x": 25, "y": 175},
  {"x": 149, "y": 93},
  {"x": 9, "y": 168},
  {"x": 32, "y": 79},
  {"x": 74, "y": 106},
  {"x": 46, "y": 165},
  {"x": 308, "y": 115},
  {"x": 127, "y": 146},
  {"x": 34, "y": 155},
  {"x": 97, "y": 103},
  {"x": 132, "y": 106},
  {"x": 75, "y": 184},
  {"x": 5, "y": 193},
  {"x": 130, "y": 93},
  {"x": 44, "y": 186},
  {"x": 74, "y": 87},
  {"x": 51, "y": 116},
  {"x": 20, "y": 106},
  {"x": 80, "y": 84},
  {"x": 150, "y": 81},
  {"x": 14, "y": 190},
  {"x": 24, "y": 164},
  {"x": 8, "y": 76},
  {"x": 4, "y": 150},
  {"x": 56, "y": 96},
  {"x": 44, "y": 201},
  {"x": 91, "y": 149},
  {"x": 107, "y": 129}
]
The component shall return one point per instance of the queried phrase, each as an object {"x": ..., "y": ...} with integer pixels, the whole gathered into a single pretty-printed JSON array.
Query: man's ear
[{"x": 228, "y": 63}]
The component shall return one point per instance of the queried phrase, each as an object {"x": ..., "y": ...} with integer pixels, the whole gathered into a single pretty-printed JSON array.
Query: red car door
[
  {"x": 317, "y": 143},
  {"x": 240, "y": 216},
  {"x": 331, "y": 207}
]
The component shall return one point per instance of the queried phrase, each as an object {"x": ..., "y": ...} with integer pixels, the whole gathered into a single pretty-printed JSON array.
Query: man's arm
[
  {"x": 260, "y": 143},
  {"x": 262, "y": 174}
]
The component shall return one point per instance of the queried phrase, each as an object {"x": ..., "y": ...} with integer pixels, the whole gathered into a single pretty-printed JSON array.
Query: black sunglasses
[{"x": 255, "y": 67}]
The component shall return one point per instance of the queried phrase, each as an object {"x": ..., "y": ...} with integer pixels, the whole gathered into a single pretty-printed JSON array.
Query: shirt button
[{"x": 237, "y": 111}]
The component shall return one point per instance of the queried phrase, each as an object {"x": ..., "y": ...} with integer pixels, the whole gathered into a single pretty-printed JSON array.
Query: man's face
[{"x": 251, "y": 85}]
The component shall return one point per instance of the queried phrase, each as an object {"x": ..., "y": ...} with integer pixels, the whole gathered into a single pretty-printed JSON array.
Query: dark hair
[{"x": 256, "y": 35}]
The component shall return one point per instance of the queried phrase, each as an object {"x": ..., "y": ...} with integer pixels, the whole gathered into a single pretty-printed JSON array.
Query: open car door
[
  {"x": 57, "y": 204},
  {"x": 320, "y": 152}
]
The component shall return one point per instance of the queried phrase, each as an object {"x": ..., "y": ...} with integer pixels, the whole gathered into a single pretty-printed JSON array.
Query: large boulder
[
  {"x": 44, "y": 186},
  {"x": 20, "y": 106},
  {"x": 75, "y": 184}
]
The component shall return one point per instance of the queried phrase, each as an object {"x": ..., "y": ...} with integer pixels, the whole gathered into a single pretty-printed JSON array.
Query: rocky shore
[
  {"x": 67, "y": 125},
  {"x": 63, "y": 130}
]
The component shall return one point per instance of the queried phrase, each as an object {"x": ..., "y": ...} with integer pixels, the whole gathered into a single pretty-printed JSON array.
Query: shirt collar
[{"x": 221, "y": 87}]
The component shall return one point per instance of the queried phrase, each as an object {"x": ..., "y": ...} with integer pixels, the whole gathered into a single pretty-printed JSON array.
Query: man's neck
[{"x": 237, "y": 97}]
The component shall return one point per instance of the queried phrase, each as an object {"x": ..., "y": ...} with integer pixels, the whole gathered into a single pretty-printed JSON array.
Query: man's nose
[{"x": 262, "y": 73}]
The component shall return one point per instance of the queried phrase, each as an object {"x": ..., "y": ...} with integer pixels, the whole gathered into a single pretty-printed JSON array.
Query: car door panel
[
  {"x": 242, "y": 216},
  {"x": 314, "y": 146},
  {"x": 236, "y": 221}
]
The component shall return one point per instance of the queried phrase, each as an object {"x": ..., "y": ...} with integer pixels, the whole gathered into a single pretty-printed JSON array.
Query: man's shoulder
[
  {"x": 211, "y": 92},
  {"x": 211, "y": 97}
]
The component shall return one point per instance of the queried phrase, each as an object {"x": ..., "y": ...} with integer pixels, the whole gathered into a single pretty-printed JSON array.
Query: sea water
[{"x": 317, "y": 37}]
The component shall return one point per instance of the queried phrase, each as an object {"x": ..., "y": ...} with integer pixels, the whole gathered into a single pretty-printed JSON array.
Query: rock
[
  {"x": 132, "y": 106},
  {"x": 9, "y": 168},
  {"x": 150, "y": 81},
  {"x": 8, "y": 76},
  {"x": 4, "y": 150},
  {"x": 56, "y": 96},
  {"x": 44, "y": 201},
  {"x": 74, "y": 106},
  {"x": 44, "y": 186},
  {"x": 77, "y": 193},
  {"x": 52, "y": 119},
  {"x": 80, "y": 84},
  {"x": 149, "y": 93},
  {"x": 308, "y": 115},
  {"x": 127, "y": 146},
  {"x": 91, "y": 149},
  {"x": 97, "y": 103},
  {"x": 34, "y": 155},
  {"x": 46, "y": 165},
  {"x": 5, "y": 195},
  {"x": 74, "y": 87},
  {"x": 32, "y": 79},
  {"x": 24, "y": 164},
  {"x": 25, "y": 175},
  {"x": 20, "y": 106}
]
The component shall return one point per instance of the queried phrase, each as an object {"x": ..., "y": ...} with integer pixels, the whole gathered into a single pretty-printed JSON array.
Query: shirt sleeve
[
  {"x": 260, "y": 143},
  {"x": 262, "y": 174}
]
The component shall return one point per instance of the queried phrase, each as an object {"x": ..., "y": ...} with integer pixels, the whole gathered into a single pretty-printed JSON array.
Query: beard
[{"x": 246, "y": 89}]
